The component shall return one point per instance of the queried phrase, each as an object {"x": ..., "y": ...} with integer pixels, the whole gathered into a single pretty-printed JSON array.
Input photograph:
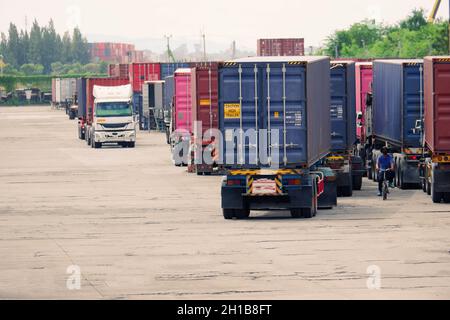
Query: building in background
[
  {"x": 281, "y": 47},
  {"x": 115, "y": 52}
]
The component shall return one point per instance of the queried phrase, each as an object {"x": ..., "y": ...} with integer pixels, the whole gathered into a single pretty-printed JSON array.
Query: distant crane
[
  {"x": 434, "y": 11},
  {"x": 433, "y": 14},
  {"x": 170, "y": 55}
]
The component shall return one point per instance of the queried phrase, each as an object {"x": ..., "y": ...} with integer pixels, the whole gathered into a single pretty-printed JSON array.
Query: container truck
[
  {"x": 397, "y": 106},
  {"x": 63, "y": 90},
  {"x": 195, "y": 102},
  {"x": 85, "y": 90},
  {"x": 343, "y": 158},
  {"x": 435, "y": 165},
  {"x": 364, "y": 78},
  {"x": 275, "y": 122},
  {"x": 112, "y": 117}
]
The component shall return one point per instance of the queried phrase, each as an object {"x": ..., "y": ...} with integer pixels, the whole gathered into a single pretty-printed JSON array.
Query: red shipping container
[
  {"x": 205, "y": 93},
  {"x": 281, "y": 47},
  {"x": 106, "y": 82},
  {"x": 141, "y": 72},
  {"x": 437, "y": 104}
]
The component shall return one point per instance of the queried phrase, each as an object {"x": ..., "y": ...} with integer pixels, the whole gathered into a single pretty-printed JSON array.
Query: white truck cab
[{"x": 113, "y": 118}]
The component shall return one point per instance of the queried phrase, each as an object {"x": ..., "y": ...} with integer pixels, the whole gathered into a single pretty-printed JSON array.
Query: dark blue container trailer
[
  {"x": 397, "y": 112},
  {"x": 82, "y": 102},
  {"x": 348, "y": 167},
  {"x": 275, "y": 123},
  {"x": 169, "y": 90}
]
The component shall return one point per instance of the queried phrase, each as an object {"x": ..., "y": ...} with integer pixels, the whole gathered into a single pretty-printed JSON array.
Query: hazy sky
[{"x": 221, "y": 20}]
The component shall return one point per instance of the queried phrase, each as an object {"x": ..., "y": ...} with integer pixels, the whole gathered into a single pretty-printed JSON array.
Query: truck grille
[{"x": 115, "y": 125}]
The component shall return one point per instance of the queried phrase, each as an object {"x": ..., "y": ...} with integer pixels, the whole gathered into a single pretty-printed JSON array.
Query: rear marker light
[
  {"x": 234, "y": 182},
  {"x": 293, "y": 182}
]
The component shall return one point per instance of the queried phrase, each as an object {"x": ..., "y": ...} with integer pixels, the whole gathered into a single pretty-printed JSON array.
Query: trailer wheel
[
  {"x": 346, "y": 191},
  {"x": 228, "y": 214},
  {"x": 446, "y": 197},
  {"x": 296, "y": 213},
  {"x": 242, "y": 214},
  {"x": 308, "y": 213},
  {"x": 357, "y": 183},
  {"x": 436, "y": 196}
]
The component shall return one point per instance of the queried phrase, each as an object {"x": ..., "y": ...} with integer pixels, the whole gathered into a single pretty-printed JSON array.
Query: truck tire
[
  {"x": 436, "y": 196},
  {"x": 446, "y": 197},
  {"x": 357, "y": 183},
  {"x": 346, "y": 191},
  {"x": 401, "y": 184},
  {"x": 131, "y": 145},
  {"x": 296, "y": 213},
  {"x": 228, "y": 214},
  {"x": 98, "y": 145},
  {"x": 242, "y": 214},
  {"x": 308, "y": 213}
]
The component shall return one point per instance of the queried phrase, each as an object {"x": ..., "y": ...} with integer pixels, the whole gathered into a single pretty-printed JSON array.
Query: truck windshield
[{"x": 114, "y": 109}]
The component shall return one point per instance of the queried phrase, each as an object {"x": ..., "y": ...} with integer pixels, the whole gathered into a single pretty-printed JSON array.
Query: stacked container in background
[
  {"x": 281, "y": 47},
  {"x": 168, "y": 69},
  {"x": 138, "y": 74},
  {"x": 120, "y": 70}
]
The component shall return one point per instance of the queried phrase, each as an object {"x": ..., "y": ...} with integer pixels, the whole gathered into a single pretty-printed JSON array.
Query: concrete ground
[{"x": 140, "y": 228}]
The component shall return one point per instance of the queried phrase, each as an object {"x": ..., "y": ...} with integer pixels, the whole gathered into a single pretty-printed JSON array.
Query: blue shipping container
[
  {"x": 288, "y": 94},
  {"x": 343, "y": 105},
  {"x": 168, "y": 69},
  {"x": 81, "y": 96},
  {"x": 397, "y": 101}
]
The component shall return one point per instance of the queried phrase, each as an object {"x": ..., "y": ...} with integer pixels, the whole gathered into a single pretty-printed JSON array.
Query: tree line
[
  {"x": 35, "y": 51},
  {"x": 413, "y": 37}
]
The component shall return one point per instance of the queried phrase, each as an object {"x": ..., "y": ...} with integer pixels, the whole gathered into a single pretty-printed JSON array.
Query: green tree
[
  {"x": 35, "y": 45},
  {"x": 32, "y": 69},
  {"x": 412, "y": 37},
  {"x": 49, "y": 46},
  {"x": 66, "y": 52},
  {"x": 13, "y": 46},
  {"x": 80, "y": 48}
]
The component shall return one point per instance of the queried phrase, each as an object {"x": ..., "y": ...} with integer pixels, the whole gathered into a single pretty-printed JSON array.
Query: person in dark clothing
[{"x": 385, "y": 163}]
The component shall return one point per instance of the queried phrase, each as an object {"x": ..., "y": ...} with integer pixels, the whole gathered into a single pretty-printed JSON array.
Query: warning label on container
[
  {"x": 205, "y": 102},
  {"x": 337, "y": 112},
  {"x": 294, "y": 118},
  {"x": 232, "y": 111}
]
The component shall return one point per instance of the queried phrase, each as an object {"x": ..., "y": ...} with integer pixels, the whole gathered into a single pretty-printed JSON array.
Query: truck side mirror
[{"x": 418, "y": 127}]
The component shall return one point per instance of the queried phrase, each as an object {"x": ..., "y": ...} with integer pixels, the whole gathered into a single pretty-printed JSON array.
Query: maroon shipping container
[
  {"x": 205, "y": 93},
  {"x": 119, "y": 70},
  {"x": 141, "y": 72},
  {"x": 281, "y": 47},
  {"x": 105, "y": 82},
  {"x": 437, "y": 104}
]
